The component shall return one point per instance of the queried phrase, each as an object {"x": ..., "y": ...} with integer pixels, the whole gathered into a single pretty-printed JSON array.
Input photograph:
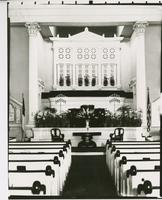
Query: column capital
[
  {"x": 33, "y": 28},
  {"x": 140, "y": 27}
]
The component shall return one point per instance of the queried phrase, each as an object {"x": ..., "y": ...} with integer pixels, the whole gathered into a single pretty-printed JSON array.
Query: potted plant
[
  {"x": 94, "y": 81},
  {"x": 112, "y": 81},
  {"x": 61, "y": 81},
  {"x": 86, "y": 80},
  {"x": 105, "y": 81},
  {"x": 80, "y": 81},
  {"x": 68, "y": 81}
]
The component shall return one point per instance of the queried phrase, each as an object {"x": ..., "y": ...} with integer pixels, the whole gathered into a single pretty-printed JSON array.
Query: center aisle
[{"x": 89, "y": 178}]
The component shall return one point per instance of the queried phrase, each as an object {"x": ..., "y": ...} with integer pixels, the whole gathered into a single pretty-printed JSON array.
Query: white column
[
  {"x": 141, "y": 91},
  {"x": 100, "y": 84},
  {"x": 33, "y": 29},
  {"x": 54, "y": 76},
  {"x": 74, "y": 76},
  {"x": 118, "y": 66}
]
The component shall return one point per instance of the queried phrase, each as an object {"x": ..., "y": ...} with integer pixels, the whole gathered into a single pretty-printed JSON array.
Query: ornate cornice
[
  {"x": 140, "y": 27},
  {"x": 33, "y": 28}
]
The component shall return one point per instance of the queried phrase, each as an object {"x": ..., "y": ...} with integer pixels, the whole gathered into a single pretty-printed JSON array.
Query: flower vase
[{"x": 87, "y": 124}]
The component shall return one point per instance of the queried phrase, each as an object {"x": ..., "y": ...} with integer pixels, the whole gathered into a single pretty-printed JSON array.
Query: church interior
[{"x": 84, "y": 99}]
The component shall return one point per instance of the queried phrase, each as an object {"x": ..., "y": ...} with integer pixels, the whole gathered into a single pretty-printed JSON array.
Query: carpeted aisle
[{"x": 88, "y": 178}]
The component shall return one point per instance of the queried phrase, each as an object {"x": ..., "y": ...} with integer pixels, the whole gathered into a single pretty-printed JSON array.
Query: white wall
[
  {"x": 19, "y": 64},
  {"x": 126, "y": 65},
  {"x": 45, "y": 61}
]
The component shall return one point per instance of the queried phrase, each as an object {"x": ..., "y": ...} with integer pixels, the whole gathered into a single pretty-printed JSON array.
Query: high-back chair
[
  {"x": 117, "y": 135},
  {"x": 56, "y": 135}
]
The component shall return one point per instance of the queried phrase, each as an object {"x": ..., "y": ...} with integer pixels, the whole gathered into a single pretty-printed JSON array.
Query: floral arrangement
[
  {"x": 86, "y": 112},
  {"x": 49, "y": 118},
  {"x": 99, "y": 117},
  {"x": 124, "y": 117}
]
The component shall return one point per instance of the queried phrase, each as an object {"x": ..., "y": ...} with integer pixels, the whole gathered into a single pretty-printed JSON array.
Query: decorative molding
[
  {"x": 15, "y": 108},
  {"x": 33, "y": 28},
  {"x": 12, "y": 99},
  {"x": 79, "y": 15},
  {"x": 140, "y": 27},
  {"x": 87, "y": 35}
]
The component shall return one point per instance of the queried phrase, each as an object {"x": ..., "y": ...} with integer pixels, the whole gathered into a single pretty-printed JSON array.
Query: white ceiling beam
[{"x": 84, "y": 14}]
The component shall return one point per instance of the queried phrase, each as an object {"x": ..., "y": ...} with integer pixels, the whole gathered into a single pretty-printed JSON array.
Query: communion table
[{"x": 87, "y": 138}]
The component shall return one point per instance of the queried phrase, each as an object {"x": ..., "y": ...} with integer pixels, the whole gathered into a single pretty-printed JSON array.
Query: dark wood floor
[{"x": 89, "y": 178}]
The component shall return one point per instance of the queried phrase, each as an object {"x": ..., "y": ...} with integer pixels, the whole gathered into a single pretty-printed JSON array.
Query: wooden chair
[
  {"x": 56, "y": 135},
  {"x": 117, "y": 135}
]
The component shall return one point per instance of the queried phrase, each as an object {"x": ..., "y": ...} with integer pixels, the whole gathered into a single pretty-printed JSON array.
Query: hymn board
[{"x": 86, "y": 61}]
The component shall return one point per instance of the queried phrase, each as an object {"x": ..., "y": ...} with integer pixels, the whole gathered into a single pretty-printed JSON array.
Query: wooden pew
[
  {"x": 39, "y": 156},
  {"x": 108, "y": 142},
  {"x": 66, "y": 155},
  {"x": 36, "y": 188},
  {"x": 35, "y": 143},
  {"x": 111, "y": 146},
  {"x": 116, "y": 160},
  {"x": 111, "y": 158},
  {"x": 138, "y": 150},
  {"x": 41, "y": 146},
  {"x": 39, "y": 165},
  {"x": 146, "y": 188},
  {"x": 125, "y": 165},
  {"x": 134, "y": 177},
  {"x": 26, "y": 178}
]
